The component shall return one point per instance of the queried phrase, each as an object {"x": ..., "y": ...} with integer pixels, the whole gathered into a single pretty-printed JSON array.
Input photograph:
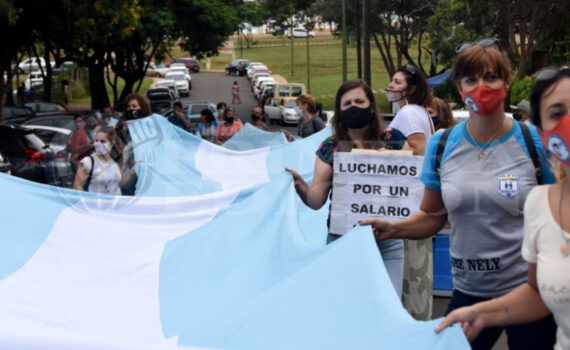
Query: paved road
[{"x": 216, "y": 87}]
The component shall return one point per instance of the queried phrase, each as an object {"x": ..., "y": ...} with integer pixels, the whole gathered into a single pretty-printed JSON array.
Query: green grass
[
  {"x": 219, "y": 62},
  {"x": 325, "y": 66}
]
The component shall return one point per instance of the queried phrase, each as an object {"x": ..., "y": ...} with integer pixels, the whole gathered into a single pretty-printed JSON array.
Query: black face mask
[
  {"x": 90, "y": 126},
  {"x": 435, "y": 121},
  {"x": 357, "y": 118},
  {"x": 517, "y": 116},
  {"x": 132, "y": 114},
  {"x": 229, "y": 120},
  {"x": 255, "y": 117}
]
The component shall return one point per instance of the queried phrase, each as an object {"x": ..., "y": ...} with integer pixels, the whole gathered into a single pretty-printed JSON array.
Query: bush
[{"x": 521, "y": 89}]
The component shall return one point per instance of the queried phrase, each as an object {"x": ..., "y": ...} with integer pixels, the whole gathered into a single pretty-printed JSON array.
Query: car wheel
[
  {"x": 227, "y": 72},
  {"x": 190, "y": 86},
  {"x": 282, "y": 121}
]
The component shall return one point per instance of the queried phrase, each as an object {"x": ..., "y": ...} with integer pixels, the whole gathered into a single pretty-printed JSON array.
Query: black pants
[{"x": 535, "y": 335}]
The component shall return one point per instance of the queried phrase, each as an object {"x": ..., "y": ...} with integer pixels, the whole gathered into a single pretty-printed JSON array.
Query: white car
[
  {"x": 156, "y": 70},
  {"x": 282, "y": 110},
  {"x": 34, "y": 80},
  {"x": 181, "y": 82},
  {"x": 258, "y": 85},
  {"x": 300, "y": 33},
  {"x": 460, "y": 115},
  {"x": 171, "y": 84},
  {"x": 33, "y": 64},
  {"x": 182, "y": 70},
  {"x": 251, "y": 66},
  {"x": 255, "y": 69},
  {"x": 258, "y": 74}
]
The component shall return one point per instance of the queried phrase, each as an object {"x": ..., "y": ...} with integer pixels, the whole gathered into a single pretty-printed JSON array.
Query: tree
[
  {"x": 152, "y": 37},
  {"x": 204, "y": 25},
  {"x": 283, "y": 11},
  {"x": 14, "y": 24}
]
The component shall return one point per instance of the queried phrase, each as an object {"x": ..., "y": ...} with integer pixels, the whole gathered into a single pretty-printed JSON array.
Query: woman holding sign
[
  {"x": 477, "y": 175},
  {"x": 546, "y": 244},
  {"x": 357, "y": 123}
]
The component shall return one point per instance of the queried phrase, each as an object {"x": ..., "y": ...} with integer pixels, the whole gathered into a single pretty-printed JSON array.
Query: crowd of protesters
[{"x": 483, "y": 176}]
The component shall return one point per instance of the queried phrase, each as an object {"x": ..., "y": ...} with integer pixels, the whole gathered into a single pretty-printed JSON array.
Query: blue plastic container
[{"x": 442, "y": 281}]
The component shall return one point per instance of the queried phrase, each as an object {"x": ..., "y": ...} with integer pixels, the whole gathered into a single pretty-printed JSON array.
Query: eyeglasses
[
  {"x": 548, "y": 72},
  {"x": 487, "y": 42}
]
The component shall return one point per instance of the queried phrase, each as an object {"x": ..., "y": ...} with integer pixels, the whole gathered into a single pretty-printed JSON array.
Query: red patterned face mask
[
  {"x": 484, "y": 100},
  {"x": 557, "y": 140}
]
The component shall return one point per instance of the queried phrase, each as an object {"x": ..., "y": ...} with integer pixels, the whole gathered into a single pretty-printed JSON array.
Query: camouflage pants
[{"x": 417, "y": 292}]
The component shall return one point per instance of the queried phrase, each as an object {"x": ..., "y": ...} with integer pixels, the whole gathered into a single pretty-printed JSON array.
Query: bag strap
[
  {"x": 532, "y": 151},
  {"x": 90, "y": 171},
  {"x": 441, "y": 148}
]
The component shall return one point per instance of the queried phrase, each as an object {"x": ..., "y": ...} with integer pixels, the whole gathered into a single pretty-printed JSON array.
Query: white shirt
[
  {"x": 106, "y": 176},
  {"x": 541, "y": 245},
  {"x": 413, "y": 119}
]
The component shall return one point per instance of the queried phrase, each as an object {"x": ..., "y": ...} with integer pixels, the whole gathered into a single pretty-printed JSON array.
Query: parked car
[
  {"x": 31, "y": 158},
  {"x": 252, "y": 65},
  {"x": 460, "y": 115},
  {"x": 182, "y": 70},
  {"x": 156, "y": 70},
  {"x": 162, "y": 107},
  {"x": 300, "y": 33},
  {"x": 62, "y": 172},
  {"x": 181, "y": 82},
  {"x": 33, "y": 64},
  {"x": 5, "y": 166},
  {"x": 171, "y": 85},
  {"x": 47, "y": 108},
  {"x": 190, "y": 63},
  {"x": 282, "y": 110},
  {"x": 278, "y": 31},
  {"x": 193, "y": 110},
  {"x": 289, "y": 89},
  {"x": 237, "y": 67},
  {"x": 266, "y": 89},
  {"x": 64, "y": 121},
  {"x": 160, "y": 94},
  {"x": 16, "y": 114},
  {"x": 257, "y": 86},
  {"x": 256, "y": 69},
  {"x": 35, "y": 80}
]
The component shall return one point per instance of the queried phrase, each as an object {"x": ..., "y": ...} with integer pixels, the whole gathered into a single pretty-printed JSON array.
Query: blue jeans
[
  {"x": 539, "y": 334},
  {"x": 393, "y": 256}
]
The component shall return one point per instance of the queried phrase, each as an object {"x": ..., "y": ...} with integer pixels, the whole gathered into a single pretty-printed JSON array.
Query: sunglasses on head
[
  {"x": 487, "y": 42},
  {"x": 548, "y": 72}
]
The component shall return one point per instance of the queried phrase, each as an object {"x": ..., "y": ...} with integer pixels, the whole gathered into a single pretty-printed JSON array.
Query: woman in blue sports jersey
[{"x": 479, "y": 185}]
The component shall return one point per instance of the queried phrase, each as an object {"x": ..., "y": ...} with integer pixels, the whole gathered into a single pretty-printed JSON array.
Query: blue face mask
[{"x": 356, "y": 117}]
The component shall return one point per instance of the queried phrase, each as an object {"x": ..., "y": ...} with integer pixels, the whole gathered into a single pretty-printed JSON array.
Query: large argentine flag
[{"x": 233, "y": 268}]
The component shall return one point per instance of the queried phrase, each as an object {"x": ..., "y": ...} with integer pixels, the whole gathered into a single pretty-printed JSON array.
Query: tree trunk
[
  {"x": 366, "y": 41},
  {"x": 48, "y": 78},
  {"x": 358, "y": 39},
  {"x": 130, "y": 81},
  {"x": 99, "y": 97}
]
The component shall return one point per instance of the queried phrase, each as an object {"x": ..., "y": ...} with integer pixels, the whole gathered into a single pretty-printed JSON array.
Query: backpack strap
[
  {"x": 441, "y": 148},
  {"x": 532, "y": 151},
  {"x": 88, "y": 181}
]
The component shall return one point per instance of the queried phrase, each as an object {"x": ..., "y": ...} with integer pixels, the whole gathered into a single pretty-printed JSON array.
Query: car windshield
[
  {"x": 177, "y": 77},
  {"x": 290, "y": 104}
]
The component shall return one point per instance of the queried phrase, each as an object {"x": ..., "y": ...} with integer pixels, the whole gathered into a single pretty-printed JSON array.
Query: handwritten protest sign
[{"x": 377, "y": 184}]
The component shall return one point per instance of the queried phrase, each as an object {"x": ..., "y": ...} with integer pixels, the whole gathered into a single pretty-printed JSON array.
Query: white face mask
[{"x": 101, "y": 148}]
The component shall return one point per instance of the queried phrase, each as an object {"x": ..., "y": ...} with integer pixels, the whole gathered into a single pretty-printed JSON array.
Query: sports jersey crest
[{"x": 509, "y": 185}]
